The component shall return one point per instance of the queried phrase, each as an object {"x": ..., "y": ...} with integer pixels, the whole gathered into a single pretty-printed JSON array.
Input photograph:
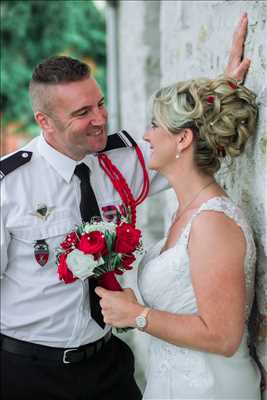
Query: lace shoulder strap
[{"x": 226, "y": 206}]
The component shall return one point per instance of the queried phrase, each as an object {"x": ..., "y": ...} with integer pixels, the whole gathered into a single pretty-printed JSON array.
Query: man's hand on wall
[{"x": 237, "y": 67}]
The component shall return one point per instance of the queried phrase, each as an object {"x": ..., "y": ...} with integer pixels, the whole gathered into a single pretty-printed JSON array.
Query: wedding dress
[{"x": 182, "y": 373}]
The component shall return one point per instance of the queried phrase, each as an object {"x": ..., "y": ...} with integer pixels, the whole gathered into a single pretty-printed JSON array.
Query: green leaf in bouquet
[
  {"x": 129, "y": 215},
  {"x": 80, "y": 229},
  {"x": 126, "y": 215},
  {"x": 119, "y": 215},
  {"x": 113, "y": 235},
  {"x": 58, "y": 254},
  {"x": 116, "y": 261},
  {"x": 109, "y": 240},
  {"x": 105, "y": 258},
  {"x": 98, "y": 271}
]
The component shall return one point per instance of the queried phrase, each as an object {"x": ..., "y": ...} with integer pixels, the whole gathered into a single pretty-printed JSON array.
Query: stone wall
[{"x": 161, "y": 42}]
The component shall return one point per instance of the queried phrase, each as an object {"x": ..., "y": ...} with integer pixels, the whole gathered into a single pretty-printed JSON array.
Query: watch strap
[{"x": 144, "y": 314}]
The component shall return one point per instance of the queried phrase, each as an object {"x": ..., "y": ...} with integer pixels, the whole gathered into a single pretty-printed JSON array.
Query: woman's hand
[
  {"x": 119, "y": 308},
  {"x": 237, "y": 67}
]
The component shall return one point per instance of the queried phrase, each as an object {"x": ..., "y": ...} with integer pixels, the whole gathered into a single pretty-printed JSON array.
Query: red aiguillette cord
[
  {"x": 121, "y": 185},
  {"x": 145, "y": 188}
]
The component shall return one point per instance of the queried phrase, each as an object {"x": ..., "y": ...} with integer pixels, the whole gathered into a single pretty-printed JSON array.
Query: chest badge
[
  {"x": 110, "y": 213},
  {"x": 41, "y": 252},
  {"x": 42, "y": 211}
]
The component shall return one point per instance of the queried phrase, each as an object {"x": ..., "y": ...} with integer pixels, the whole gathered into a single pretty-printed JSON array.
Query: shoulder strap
[
  {"x": 16, "y": 160},
  {"x": 219, "y": 204},
  {"x": 119, "y": 140}
]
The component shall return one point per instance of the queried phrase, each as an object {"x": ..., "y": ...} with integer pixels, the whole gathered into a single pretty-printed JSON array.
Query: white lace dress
[{"x": 182, "y": 373}]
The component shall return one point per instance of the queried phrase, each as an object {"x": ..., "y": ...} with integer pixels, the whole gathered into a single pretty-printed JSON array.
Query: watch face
[{"x": 140, "y": 321}]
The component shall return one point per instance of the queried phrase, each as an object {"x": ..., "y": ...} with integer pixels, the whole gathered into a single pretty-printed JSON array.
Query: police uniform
[{"x": 40, "y": 198}]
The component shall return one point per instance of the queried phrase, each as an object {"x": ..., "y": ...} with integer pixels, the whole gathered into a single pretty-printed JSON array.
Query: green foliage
[
  {"x": 110, "y": 240},
  {"x": 32, "y": 30}
]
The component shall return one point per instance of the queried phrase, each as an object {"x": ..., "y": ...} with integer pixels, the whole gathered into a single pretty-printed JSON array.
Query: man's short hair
[
  {"x": 60, "y": 69},
  {"x": 52, "y": 71}
]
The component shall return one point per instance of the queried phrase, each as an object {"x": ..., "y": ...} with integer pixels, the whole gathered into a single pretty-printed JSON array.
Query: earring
[{"x": 178, "y": 152}]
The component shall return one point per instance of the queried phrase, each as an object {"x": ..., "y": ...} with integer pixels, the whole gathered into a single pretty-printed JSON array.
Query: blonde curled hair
[{"x": 221, "y": 113}]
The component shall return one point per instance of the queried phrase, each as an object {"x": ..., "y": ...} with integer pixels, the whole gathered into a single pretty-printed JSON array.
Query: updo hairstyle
[{"x": 221, "y": 113}]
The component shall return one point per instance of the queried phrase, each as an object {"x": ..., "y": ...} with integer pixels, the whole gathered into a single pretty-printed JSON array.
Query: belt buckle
[{"x": 65, "y": 361}]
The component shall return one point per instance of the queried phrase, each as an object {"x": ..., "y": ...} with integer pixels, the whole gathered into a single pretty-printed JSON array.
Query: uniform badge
[
  {"x": 42, "y": 211},
  {"x": 109, "y": 212},
  {"x": 41, "y": 252},
  {"x": 113, "y": 213}
]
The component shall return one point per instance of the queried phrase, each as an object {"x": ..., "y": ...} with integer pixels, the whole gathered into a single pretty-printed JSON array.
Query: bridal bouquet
[{"x": 99, "y": 249}]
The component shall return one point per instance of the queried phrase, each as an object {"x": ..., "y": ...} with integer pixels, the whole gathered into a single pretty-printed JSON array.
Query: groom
[{"x": 51, "y": 346}]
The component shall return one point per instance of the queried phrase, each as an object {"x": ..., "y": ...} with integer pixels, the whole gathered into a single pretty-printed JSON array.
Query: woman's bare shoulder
[{"x": 214, "y": 229}]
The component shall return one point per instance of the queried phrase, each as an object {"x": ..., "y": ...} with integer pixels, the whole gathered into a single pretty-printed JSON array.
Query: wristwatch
[{"x": 141, "y": 320}]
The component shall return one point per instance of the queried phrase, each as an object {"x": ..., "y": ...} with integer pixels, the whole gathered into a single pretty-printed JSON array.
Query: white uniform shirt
[{"x": 35, "y": 305}]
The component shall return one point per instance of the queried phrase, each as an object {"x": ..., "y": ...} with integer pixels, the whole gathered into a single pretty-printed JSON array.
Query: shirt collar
[{"x": 63, "y": 164}]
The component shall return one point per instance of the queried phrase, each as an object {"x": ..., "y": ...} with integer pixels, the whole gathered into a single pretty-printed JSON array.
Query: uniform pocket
[
  {"x": 34, "y": 246},
  {"x": 30, "y": 228}
]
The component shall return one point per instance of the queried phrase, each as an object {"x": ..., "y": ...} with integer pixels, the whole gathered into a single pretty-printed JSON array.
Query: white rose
[
  {"x": 100, "y": 226},
  {"x": 82, "y": 265}
]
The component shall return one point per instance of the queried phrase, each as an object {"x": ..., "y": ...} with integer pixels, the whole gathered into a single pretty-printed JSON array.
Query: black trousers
[{"x": 107, "y": 375}]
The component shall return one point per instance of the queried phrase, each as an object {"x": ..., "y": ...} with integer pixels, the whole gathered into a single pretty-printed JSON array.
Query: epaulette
[
  {"x": 13, "y": 162},
  {"x": 119, "y": 140}
]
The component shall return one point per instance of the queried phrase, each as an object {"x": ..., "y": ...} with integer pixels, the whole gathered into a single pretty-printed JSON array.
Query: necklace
[{"x": 191, "y": 201}]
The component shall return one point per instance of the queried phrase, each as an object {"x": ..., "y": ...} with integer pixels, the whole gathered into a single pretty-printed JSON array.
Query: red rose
[
  {"x": 71, "y": 240},
  {"x": 127, "y": 261},
  {"x": 127, "y": 238},
  {"x": 210, "y": 99},
  {"x": 93, "y": 243},
  {"x": 63, "y": 271}
]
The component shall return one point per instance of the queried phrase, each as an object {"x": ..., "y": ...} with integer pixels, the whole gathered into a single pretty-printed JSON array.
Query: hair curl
[{"x": 221, "y": 113}]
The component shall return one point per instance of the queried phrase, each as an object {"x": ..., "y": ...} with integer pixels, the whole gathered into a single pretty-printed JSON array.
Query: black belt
[{"x": 40, "y": 352}]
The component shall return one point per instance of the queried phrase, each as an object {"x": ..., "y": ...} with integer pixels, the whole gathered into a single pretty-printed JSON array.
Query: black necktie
[{"x": 89, "y": 208}]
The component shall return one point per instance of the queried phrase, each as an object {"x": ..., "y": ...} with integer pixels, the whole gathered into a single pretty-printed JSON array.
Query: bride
[{"x": 197, "y": 284}]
